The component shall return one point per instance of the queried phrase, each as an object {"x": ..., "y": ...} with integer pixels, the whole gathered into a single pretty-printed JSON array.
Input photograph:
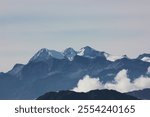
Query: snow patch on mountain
[
  {"x": 113, "y": 58},
  {"x": 146, "y": 59},
  {"x": 81, "y": 52}
]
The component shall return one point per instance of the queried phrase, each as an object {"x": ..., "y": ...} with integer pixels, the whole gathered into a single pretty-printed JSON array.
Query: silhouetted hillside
[
  {"x": 141, "y": 94},
  {"x": 92, "y": 95}
]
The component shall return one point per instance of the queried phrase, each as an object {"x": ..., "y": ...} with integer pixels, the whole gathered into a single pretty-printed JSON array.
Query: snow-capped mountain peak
[
  {"x": 70, "y": 53},
  {"x": 45, "y": 54},
  {"x": 89, "y": 52}
]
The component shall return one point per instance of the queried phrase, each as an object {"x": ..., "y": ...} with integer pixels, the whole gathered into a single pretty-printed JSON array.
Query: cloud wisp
[{"x": 121, "y": 83}]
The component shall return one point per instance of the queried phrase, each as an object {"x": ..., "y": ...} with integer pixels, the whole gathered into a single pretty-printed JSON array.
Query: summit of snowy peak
[
  {"x": 45, "y": 54},
  {"x": 88, "y": 48},
  {"x": 70, "y": 53},
  {"x": 90, "y": 52}
]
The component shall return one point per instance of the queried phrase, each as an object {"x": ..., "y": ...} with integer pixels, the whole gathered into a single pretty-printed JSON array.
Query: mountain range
[{"x": 50, "y": 70}]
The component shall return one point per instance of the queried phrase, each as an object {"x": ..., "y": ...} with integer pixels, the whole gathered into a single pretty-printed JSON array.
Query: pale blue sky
[{"x": 115, "y": 26}]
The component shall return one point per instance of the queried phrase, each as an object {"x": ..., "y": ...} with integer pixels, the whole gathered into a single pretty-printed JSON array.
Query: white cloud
[
  {"x": 121, "y": 83},
  {"x": 142, "y": 82},
  {"x": 86, "y": 84}
]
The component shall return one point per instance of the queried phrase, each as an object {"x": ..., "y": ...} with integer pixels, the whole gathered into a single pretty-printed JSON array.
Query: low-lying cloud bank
[{"x": 121, "y": 83}]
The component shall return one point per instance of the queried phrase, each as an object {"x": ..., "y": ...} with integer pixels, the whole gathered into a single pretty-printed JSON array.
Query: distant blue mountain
[{"x": 50, "y": 70}]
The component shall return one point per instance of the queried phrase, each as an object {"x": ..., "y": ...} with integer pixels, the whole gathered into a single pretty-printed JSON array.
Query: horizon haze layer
[{"x": 116, "y": 27}]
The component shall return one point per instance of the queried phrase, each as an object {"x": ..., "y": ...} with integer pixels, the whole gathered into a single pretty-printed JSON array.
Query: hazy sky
[{"x": 115, "y": 26}]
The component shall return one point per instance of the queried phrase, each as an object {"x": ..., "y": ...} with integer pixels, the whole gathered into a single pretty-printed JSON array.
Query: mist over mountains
[{"x": 50, "y": 70}]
